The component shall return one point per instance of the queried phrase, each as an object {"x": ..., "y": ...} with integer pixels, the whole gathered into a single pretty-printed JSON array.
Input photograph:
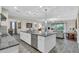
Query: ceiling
[{"x": 37, "y": 12}]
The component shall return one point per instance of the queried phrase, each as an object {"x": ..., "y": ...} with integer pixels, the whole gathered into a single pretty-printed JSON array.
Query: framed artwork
[
  {"x": 28, "y": 25},
  {"x": 19, "y": 25}
]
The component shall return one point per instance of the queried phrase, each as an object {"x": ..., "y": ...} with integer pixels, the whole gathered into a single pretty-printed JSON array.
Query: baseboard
[{"x": 60, "y": 37}]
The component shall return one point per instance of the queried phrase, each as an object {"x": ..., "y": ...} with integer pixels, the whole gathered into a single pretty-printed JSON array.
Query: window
[{"x": 58, "y": 26}]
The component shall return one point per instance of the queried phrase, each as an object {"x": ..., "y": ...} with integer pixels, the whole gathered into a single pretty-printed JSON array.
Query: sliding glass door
[{"x": 13, "y": 27}]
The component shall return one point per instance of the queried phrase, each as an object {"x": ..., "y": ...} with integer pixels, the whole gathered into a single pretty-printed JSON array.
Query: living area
[{"x": 36, "y": 26}]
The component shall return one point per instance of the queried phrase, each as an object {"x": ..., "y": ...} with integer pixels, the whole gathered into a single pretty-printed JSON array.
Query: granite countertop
[{"x": 39, "y": 34}]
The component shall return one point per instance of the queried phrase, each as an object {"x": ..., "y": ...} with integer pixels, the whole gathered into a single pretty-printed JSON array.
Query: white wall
[
  {"x": 78, "y": 29},
  {"x": 70, "y": 25},
  {"x": 0, "y": 9},
  {"x": 0, "y": 16},
  {"x": 23, "y": 23}
]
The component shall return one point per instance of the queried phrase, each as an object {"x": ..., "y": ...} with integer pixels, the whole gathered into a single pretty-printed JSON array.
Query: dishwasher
[{"x": 34, "y": 40}]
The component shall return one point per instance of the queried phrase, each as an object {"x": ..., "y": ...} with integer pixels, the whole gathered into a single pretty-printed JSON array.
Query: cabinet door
[
  {"x": 41, "y": 41},
  {"x": 25, "y": 37},
  {"x": 50, "y": 42},
  {"x": 28, "y": 38}
]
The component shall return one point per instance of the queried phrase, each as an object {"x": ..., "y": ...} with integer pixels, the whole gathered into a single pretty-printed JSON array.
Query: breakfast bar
[{"x": 41, "y": 41}]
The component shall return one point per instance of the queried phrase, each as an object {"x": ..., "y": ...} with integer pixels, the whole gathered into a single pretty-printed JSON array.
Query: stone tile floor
[
  {"x": 62, "y": 46},
  {"x": 7, "y": 41}
]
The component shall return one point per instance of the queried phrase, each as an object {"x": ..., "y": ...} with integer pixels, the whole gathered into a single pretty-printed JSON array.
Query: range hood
[{"x": 2, "y": 17}]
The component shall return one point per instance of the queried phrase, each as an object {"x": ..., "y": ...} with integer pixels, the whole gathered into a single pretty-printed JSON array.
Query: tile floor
[
  {"x": 8, "y": 44},
  {"x": 61, "y": 47}
]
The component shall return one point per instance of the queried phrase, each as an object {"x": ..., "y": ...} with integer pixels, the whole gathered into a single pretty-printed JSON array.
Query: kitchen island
[{"x": 40, "y": 41}]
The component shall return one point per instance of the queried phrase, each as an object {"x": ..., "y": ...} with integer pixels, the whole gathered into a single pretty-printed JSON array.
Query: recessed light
[
  {"x": 41, "y": 6},
  {"x": 15, "y": 8}
]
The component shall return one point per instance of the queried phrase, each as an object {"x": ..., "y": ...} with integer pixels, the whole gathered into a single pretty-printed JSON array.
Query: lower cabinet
[
  {"x": 31, "y": 39},
  {"x": 45, "y": 44},
  {"x": 41, "y": 43},
  {"x": 25, "y": 37}
]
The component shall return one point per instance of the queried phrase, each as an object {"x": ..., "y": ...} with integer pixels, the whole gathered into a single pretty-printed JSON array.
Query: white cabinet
[
  {"x": 25, "y": 37},
  {"x": 41, "y": 43},
  {"x": 60, "y": 35},
  {"x": 45, "y": 44}
]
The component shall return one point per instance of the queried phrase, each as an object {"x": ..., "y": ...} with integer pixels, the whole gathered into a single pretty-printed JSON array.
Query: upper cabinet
[
  {"x": 3, "y": 18},
  {"x": 3, "y": 14}
]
